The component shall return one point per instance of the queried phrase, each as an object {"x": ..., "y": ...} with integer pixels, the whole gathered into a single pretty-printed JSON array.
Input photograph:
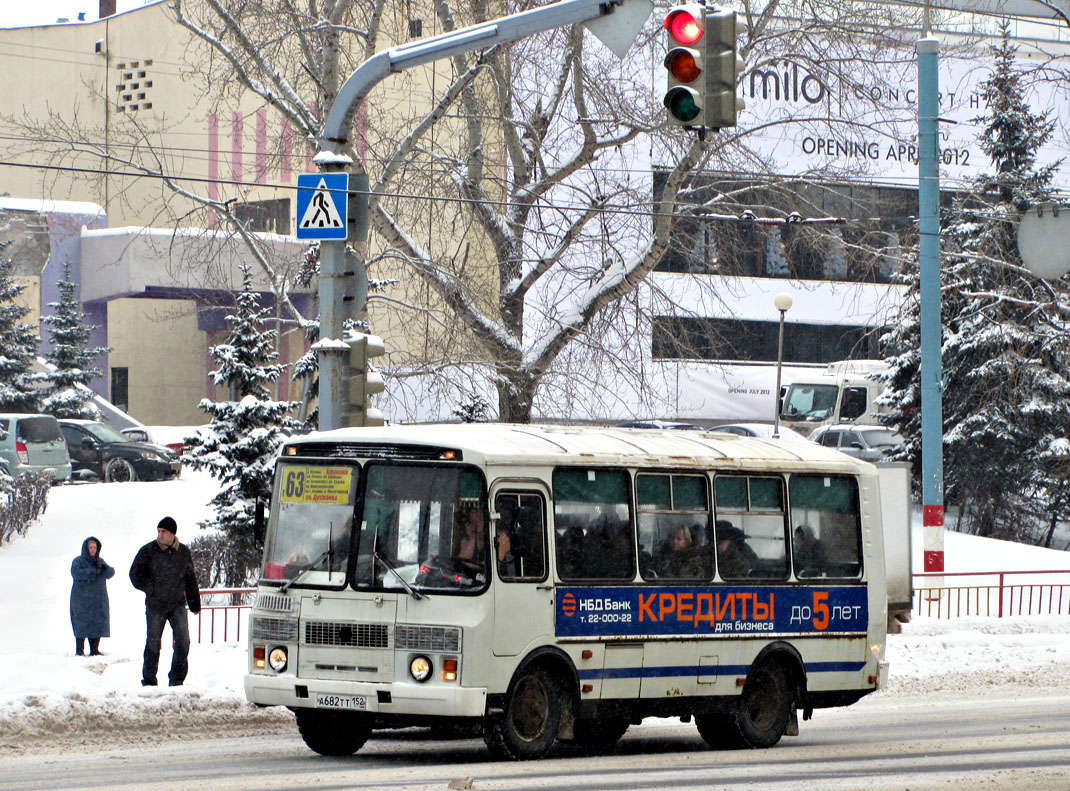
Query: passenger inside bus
[
  {"x": 472, "y": 550},
  {"x": 811, "y": 559},
  {"x": 680, "y": 558},
  {"x": 735, "y": 558},
  {"x": 508, "y": 564}
]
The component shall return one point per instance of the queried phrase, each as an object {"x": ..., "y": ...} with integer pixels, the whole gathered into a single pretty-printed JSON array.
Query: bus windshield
[
  {"x": 809, "y": 401},
  {"x": 312, "y": 521},
  {"x": 424, "y": 527}
]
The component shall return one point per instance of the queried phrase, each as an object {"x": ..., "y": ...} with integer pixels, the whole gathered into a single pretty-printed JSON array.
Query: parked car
[
  {"x": 871, "y": 443},
  {"x": 758, "y": 430},
  {"x": 34, "y": 444},
  {"x": 101, "y": 451},
  {"x": 658, "y": 424},
  {"x": 154, "y": 437}
]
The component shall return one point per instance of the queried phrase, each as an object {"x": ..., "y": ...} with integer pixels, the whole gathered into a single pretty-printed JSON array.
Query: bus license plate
[{"x": 357, "y": 702}]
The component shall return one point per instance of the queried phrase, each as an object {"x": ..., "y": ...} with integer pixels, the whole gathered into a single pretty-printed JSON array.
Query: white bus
[{"x": 551, "y": 583}]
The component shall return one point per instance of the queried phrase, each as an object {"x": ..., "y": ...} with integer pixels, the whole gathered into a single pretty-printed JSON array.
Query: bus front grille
[{"x": 356, "y": 635}]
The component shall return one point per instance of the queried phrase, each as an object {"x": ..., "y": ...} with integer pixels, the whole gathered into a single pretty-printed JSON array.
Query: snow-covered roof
[
  {"x": 519, "y": 443},
  {"x": 50, "y": 206}
]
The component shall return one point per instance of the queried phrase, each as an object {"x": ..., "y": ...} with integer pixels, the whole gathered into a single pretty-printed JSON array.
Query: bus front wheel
[
  {"x": 333, "y": 732},
  {"x": 760, "y": 716},
  {"x": 528, "y": 727}
]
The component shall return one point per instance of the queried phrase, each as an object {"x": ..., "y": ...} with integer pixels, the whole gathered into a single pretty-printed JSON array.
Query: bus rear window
[{"x": 826, "y": 527}]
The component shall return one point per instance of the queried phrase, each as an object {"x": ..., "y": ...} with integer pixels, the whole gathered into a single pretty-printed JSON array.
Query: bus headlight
[
  {"x": 277, "y": 659},
  {"x": 420, "y": 668}
]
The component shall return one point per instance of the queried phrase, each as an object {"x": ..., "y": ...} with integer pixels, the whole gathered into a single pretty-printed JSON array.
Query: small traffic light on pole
[
  {"x": 363, "y": 381},
  {"x": 702, "y": 67},
  {"x": 722, "y": 66},
  {"x": 684, "y": 97}
]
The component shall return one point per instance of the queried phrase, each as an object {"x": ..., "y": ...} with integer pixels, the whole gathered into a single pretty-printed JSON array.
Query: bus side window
[
  {"x": 593, "y": 524},
  {"x": 520, "y": 536},
  {"x": 825, "y": 510},
  {"x": 753, "y": 506}
]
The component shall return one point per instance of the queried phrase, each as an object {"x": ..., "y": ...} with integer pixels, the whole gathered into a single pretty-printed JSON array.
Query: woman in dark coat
[{"x": 90, "y": 616}]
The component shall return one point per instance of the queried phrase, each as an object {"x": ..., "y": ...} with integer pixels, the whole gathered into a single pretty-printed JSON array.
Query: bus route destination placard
[
  {"x": 315, "y": 484},
  {"x": 710, "y": 610}
]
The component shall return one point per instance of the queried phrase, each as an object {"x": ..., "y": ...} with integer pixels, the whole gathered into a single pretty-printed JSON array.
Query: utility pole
[
  {"x": 932, "y": 419},
  {"x": 336, "y": 272}
]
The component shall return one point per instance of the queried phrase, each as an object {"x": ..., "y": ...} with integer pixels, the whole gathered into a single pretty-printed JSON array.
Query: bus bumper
[{"x": 432, "y": 700}]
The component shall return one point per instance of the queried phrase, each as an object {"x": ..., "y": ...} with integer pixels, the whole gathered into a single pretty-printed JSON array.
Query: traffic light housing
[
  {"x": 363, "y": 380},
  {"x": 702, "y": 66},
  {"x": 684, "y": 97},
  {"x": 722, "y": 66}
]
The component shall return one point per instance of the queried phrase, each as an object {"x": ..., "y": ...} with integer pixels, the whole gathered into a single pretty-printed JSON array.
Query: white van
[
  {"x": 34, "y": 444},
  {"x": 846, "y": 392}
]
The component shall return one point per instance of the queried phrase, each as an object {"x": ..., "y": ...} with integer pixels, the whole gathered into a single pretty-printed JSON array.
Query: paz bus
[{"x": 551, "y": 583}]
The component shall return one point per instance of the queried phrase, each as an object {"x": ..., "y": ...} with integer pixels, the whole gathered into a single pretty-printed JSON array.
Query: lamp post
[{"x": 782, "y": 303}]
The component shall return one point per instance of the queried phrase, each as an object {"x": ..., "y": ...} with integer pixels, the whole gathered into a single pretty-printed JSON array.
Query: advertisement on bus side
[{"x": 708, "y": 610}]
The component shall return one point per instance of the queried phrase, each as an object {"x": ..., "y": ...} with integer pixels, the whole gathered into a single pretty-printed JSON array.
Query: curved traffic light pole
[{"x": 331, "y": 350}]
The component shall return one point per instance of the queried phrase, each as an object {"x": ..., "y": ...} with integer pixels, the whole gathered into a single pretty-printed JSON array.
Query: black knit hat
[{"x": 168, "y": 524}]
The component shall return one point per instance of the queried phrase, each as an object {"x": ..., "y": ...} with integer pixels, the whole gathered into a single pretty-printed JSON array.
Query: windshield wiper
[
  {"x": 390, "y": 567},
  {"x": 307, "y": 567}
]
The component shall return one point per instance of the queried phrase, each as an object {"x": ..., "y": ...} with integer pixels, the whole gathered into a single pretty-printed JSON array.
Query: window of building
[
  {"x": 120, "y": 388},
  {"x": 696, "y": 338}
]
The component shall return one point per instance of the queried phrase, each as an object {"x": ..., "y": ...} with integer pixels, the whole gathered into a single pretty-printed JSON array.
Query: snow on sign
[{"x": 321, "y": 205}]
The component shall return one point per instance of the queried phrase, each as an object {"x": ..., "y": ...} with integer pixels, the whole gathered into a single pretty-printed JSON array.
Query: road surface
[{"x": 1016, "y": 740}]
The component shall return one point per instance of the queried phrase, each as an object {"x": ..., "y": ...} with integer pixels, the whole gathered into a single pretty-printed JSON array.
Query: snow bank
[{"x": 50, "y": 695}]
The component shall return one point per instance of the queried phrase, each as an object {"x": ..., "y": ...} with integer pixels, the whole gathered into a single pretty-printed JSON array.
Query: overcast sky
[{"x": 45, "y": 12}]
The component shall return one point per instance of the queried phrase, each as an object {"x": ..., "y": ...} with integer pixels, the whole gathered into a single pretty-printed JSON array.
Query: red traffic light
[
  {"x": 683, "y": 65},
  {"x": 684, "y": 25}
]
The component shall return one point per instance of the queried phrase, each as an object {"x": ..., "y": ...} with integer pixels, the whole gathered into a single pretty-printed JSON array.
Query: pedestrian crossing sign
[{"x": 321, "y": 205}]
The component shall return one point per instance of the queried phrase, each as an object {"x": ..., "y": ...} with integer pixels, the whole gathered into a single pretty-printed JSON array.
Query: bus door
[{"x": 522, "y": 589}]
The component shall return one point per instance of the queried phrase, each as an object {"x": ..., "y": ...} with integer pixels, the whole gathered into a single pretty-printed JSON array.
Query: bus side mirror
[{"x": 258, "y": 521}]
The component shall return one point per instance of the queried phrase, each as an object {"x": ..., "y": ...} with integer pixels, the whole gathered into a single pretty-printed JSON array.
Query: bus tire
[
  {"x": 761, "y": 713},
  {"x": 333, "y": 732},
  {"x": 528, "y": 726},
  {"x": 599, "y": 733}
]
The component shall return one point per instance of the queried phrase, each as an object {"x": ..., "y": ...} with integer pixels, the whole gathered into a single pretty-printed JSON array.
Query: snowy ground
[{"x": 50, "y": 695}]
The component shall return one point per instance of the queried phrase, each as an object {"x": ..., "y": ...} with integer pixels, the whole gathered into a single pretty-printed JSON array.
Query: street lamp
[{"x": 782, "y": 303}]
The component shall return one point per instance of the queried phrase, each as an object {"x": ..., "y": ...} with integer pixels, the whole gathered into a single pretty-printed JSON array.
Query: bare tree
[{"x": 523, "y": 195}]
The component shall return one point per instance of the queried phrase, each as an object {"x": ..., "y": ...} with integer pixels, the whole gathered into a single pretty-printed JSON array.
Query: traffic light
[
  {"x": 722, "y": 66},
  {"x": 364, "y": 382},
  {"x": 702, "y": 67},
  {"x": 684, "y": 97}
]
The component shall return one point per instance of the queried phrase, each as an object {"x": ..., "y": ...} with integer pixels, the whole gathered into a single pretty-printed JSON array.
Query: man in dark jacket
[{"x": 163, "y": 570}]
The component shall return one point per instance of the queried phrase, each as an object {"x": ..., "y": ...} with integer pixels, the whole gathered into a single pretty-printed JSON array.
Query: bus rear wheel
[
  {"x": 760, "y": 717},
  {"x": 333, "y": 732},
  {"x": 528, "y": 727}
]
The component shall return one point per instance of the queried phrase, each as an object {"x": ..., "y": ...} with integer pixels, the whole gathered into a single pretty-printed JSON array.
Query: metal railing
[
  {"x": 224, "y": 615},
  {"x": 996, "y": 594}
]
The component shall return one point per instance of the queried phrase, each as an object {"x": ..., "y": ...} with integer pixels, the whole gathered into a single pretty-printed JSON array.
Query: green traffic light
[{"x": 681, "y": 104}]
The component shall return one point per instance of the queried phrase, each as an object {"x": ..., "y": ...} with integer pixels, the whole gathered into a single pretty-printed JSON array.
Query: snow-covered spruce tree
[
  {"x": 18, "y": 346},
  {"x": 1006, "y": 397},
  {"x": 240, "y": 443},
  {"x": 66, "y": 391}
]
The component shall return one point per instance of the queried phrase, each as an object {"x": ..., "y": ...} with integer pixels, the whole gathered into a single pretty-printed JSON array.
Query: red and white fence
[
  {"x": 224, "y": 616},
  {"x": 992, "y": 594}
]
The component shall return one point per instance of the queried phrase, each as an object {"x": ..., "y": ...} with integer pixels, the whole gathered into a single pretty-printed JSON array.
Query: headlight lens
[
  {"x": 277, "y": 659},
  {"x": 420, "y": 668}
]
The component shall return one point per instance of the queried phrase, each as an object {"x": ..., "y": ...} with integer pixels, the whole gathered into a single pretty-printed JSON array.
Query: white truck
[{"x": 845, "y": 392}]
